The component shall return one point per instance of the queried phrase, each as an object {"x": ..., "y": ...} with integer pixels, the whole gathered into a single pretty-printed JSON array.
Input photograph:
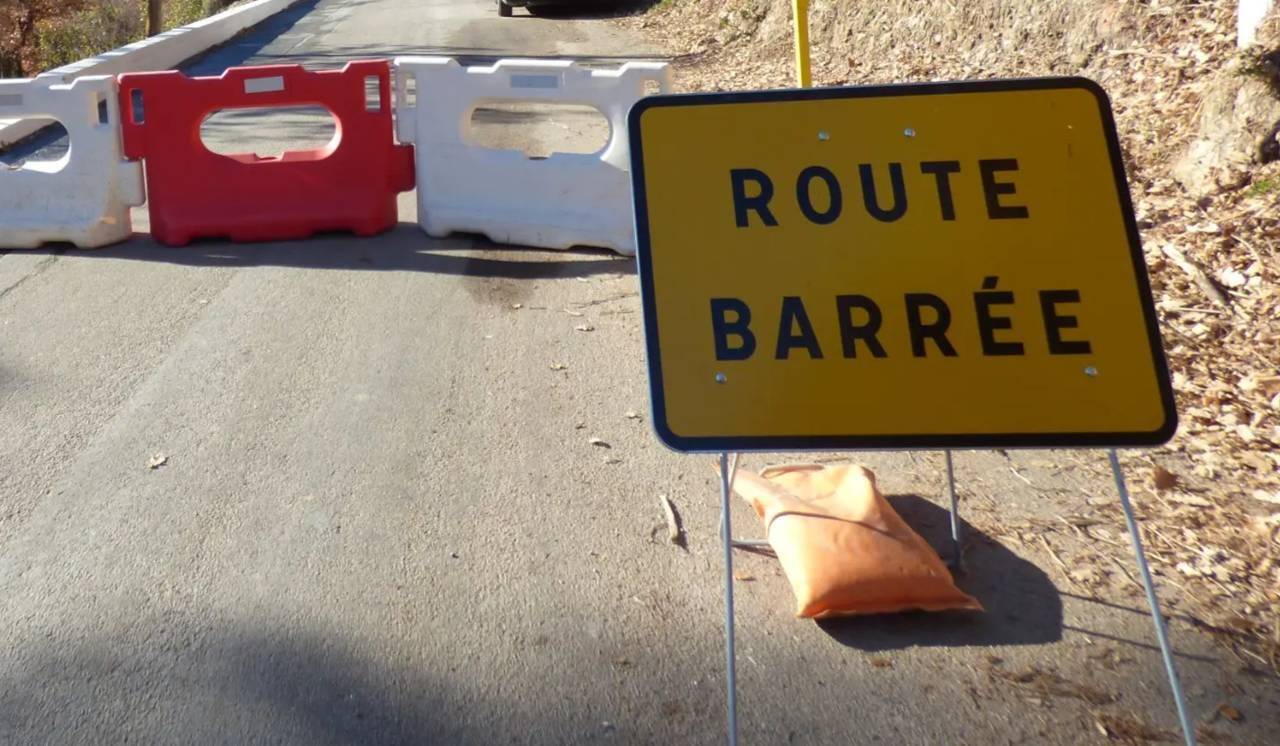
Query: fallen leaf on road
[
  {"x": 585, "y": 328},
  {"x": 1192, "y": 500},
  {"x": 1232, "y": 278},
  {"x": 517, "y": 306},
  {"x": 598, "y": 442},
  {"x": 632, "y": 414},
  {"x": 1270, "y": 385},
  {"x": 1109, "y": 658},
  {"x": 1087, "y": 575},
  {"x": 1259, "y": 463},
  {"x": 1163, "y": 478},
  {"x": 1049, "y": 683},
  {"x": 1128, "y": 730},
  {"x": 881, "y": 663},
  {"x": 559, "y": 366},
  {"x": 1230, "y": 713},
  {"x": 157, "y": 461},
  {"x": 673, "y": 531},
  {"x": 743, "y": 577},
  {"x": 1267, "y": 496}
]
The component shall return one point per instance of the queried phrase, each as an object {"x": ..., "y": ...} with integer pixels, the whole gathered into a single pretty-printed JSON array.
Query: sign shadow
[{"x": 1023, "y": 607}]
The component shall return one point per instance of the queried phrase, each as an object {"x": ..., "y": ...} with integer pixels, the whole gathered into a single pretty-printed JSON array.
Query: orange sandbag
[{"x": 843, "y": 547}]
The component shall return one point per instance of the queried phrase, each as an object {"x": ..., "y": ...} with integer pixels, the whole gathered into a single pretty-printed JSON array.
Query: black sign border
[{"x": 890, "y": 442}]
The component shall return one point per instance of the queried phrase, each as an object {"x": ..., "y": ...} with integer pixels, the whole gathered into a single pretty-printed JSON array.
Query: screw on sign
[{"x": 350, "y": 184}]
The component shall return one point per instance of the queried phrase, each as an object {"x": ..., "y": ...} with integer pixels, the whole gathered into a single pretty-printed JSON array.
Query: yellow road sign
[{"x": 941, "y": 265}]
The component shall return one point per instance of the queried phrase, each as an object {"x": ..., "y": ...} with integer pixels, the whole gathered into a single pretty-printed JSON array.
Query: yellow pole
[{"x": 800, "y": 14}]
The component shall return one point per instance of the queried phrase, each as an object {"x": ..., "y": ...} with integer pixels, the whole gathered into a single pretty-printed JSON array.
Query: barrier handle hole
[
  {"x": 538, "y": 129},
  {"x": 137, "y": 112},
  {"x": 104, "y": 114},
  {"x": 44, "y": 160},
  {"x": 296, "y": 132}
]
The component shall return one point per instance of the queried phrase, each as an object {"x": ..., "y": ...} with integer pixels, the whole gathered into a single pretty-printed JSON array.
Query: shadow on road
[
  {"x": 403, "y": 249},
  {"x": 1146, "y": 644},
  {"x": 242, "y": 685},
  {"x": 1023, "y": 606}
]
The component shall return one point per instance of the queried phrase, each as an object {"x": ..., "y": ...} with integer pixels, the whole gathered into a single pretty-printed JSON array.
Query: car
[{"x": 505, "y": 7}]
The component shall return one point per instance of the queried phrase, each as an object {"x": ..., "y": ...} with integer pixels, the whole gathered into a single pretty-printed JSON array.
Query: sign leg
[
  {"x": 731, "y": 675},
  {"x": 1188, "y": 732},
  {"x": 957, "y": 541},
  {"x": 743, "y": 543}
]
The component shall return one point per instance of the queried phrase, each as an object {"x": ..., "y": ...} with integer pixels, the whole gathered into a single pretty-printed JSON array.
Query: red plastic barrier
[{"x": 350, "y": 184}]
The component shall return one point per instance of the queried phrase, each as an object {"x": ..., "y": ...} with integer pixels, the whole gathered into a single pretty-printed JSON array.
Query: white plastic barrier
[
  {"x": 563, "y": 200},
  {"x": 84, "y": 196}
]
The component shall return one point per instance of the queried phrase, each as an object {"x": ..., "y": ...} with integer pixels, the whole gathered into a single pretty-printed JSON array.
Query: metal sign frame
[{"x": 728, "y": 445}]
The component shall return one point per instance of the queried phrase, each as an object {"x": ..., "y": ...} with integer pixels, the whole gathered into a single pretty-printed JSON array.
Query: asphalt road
[{"x": 381, "y": 518}]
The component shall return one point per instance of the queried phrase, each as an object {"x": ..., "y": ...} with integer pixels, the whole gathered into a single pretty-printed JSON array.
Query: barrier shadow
[
  {"x": 1023, "y": 607},
  {"x": 405, "y": 248}
]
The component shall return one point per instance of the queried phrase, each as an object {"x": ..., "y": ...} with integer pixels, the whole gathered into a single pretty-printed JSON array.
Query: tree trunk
[
  {"x": 155, "y": 19},
  {"x": 26, "y": 29}
]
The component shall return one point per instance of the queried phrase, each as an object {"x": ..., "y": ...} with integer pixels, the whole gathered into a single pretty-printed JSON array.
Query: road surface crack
[{"x": 39, "y": 269}]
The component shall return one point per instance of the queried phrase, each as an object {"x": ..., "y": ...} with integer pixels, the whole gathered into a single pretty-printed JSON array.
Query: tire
[{"x": 504, "y": 10}]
